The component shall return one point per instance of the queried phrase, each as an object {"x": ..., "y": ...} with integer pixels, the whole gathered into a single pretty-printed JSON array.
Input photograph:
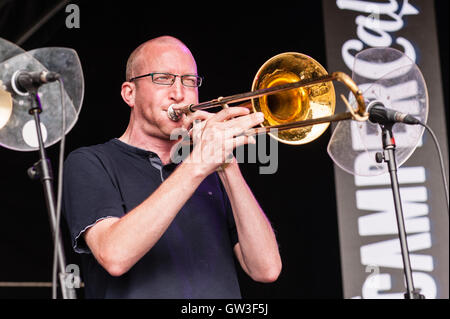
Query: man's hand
[{"x": 216, "y": 137}]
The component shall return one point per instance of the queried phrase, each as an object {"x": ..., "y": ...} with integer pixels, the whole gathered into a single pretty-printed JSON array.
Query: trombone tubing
[
  {"x": 339, "y": 76},
  {"x": 287, "y": 126}
]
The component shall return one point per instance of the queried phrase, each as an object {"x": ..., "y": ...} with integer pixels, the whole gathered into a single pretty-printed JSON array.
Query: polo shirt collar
[{"x": 134, "y": 149}]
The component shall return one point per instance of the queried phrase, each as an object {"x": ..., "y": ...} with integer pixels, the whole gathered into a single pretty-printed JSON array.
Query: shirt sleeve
[{"x": 89, "y": 195}]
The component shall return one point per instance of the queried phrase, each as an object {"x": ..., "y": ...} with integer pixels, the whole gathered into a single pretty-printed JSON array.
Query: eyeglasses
[{"x": 169, "y": 79}]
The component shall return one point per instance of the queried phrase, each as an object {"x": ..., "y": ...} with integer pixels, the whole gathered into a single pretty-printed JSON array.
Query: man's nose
[{"x": 177, "y": 90}]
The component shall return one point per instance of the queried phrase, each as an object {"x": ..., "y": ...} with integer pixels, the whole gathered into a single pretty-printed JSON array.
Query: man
[{"x": 148, "y": 228}]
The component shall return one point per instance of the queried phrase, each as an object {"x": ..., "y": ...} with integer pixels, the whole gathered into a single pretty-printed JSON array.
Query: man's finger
[
  {"x": 196, "y": 116},
  {"x": 249, "y": 120},
  {"x": 229, "y": 113},
  {"x": 242, "y": 140}
]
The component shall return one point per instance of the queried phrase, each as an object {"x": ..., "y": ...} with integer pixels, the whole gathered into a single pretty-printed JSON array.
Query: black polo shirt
[{"x": 194, "y": 257}]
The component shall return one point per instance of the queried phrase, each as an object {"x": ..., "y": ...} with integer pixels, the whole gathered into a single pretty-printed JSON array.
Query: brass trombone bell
[{"x": 295, "y": 94}]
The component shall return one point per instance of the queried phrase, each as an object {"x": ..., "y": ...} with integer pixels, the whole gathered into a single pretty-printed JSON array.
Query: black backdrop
[{"x": 230, "y": 41}]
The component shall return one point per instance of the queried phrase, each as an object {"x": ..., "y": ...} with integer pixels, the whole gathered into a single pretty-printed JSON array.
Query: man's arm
[
  {"x": 118, "y": 243},
  {"x": 257, "y": 249}
]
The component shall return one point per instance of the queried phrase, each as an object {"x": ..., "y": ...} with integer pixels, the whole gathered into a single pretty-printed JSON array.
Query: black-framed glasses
[{"x": 188, "y": 80}]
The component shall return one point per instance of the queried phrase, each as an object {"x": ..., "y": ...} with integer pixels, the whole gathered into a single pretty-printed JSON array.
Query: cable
[
  {"x": 441, "y": 160},
  {"x": 59, "y": 191}
]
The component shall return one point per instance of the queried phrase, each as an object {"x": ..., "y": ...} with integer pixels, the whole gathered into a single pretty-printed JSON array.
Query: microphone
[
  {"x": 23, "y": 82},
  {"x": 378, "y": 113}
]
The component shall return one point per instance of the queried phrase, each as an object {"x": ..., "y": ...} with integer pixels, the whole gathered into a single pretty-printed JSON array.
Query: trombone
[{"x": 295, "y": 94}]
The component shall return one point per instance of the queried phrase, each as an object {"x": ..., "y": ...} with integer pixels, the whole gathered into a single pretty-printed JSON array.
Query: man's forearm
[{"x": 257, "y": 240}]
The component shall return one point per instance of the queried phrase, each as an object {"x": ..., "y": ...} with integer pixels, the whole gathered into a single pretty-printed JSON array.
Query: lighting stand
[{"x": 42, "y": 170}]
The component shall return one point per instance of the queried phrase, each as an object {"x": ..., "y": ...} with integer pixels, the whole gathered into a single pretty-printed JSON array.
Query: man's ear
[{"x": 128, "y": 93}]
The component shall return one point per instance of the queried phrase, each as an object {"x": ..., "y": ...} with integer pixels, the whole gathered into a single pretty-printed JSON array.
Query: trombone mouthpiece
[{"x": 172, "y": 114}]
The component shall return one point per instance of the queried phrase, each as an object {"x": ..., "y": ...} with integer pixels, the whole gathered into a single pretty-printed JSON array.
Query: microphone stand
[
  {"x": 388, "y": 156},
  {"x": 42, "y": 170}
]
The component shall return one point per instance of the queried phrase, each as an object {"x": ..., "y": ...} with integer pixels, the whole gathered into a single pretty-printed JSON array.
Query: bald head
[{"x": 135, "y": 60}]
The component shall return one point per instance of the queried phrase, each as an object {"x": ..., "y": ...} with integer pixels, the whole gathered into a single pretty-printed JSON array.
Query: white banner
[{"x": 371, "y": 258}]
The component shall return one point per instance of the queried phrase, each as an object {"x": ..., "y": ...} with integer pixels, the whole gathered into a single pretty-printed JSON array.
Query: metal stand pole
[
  {"x": 388, "y": 156},
  {"x": 42, "y": 170}
]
